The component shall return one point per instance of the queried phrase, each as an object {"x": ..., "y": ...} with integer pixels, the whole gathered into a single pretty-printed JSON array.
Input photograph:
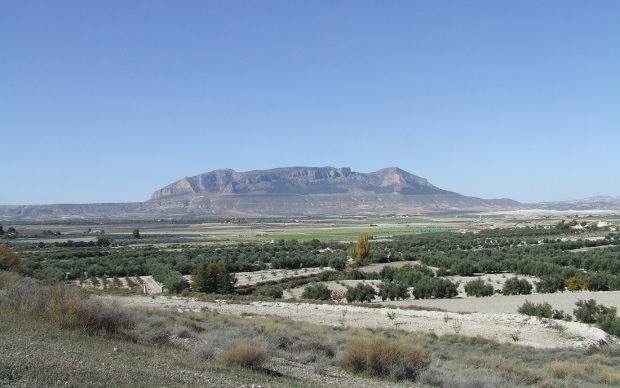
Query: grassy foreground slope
[{"x": 93, "y": 344}]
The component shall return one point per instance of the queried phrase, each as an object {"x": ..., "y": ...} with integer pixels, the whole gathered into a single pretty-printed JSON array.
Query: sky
[{"x": 110, "y": 100}]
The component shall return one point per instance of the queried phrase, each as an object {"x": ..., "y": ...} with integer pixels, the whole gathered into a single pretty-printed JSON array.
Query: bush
[
  {"x": 442, "y": 271},
  {"x": 273, "y": 292},
  {"x": 392, "y": 291},
  {"x": 434, "y": 288},
  {"x": 380, "y": 357},
  {"x": 516, "y": 286},
  {"x": 328, "y": 276},
  {"x": 550, "y": 284},
  {"x": 360, "y": 293},
  {"x": 245, "y": 356},
  {"x": 542, "y": 310},
  {"x": 356, "y": 274},
  {"x": 478, "y": 288},
  {"x": 176, "y": 283},
  {"x": 575, "y": 283},
  {"x": 8, "y": 258},
  {"x": 464, "y": 269},
  {"x": 317, "y": 292},
  {"x": 338, "y": 263},
  {"x": 588, "y": 311}
]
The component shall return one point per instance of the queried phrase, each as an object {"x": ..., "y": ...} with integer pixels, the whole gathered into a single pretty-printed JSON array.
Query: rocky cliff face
[{"x": 300, "y": 181}]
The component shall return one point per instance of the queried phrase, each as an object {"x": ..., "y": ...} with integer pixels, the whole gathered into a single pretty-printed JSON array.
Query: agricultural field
[{"x": 453, "y": 284}]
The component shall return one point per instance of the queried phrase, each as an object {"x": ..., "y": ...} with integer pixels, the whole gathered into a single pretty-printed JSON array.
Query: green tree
[
  {"x": 136, "y": 233},
  {"x": 393, "y": 290},
  {"x": 360, "y": 293},
  {"x": 213, "y": 278}
]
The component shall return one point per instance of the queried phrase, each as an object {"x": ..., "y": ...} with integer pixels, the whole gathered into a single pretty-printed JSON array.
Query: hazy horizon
[{"x": 110, "y": 101}]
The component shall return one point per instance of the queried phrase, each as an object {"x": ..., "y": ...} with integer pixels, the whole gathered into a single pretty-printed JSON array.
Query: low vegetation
[
  {"x": 385, "y": 358},
  {"x": 478, "y": 288}
]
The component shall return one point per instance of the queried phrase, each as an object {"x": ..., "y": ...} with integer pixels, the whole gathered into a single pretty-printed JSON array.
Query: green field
[
  {"x": 397, "y": 220},
  {"x": 343, "y": 234}
]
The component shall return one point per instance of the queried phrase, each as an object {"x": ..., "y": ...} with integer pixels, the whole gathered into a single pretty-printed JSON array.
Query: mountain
[
  {"x": 314, "y": 191},
  {"x": 299, "y": 181},
  {"x": 290, "y": 191},
  {"x": 590, "y": 203}
]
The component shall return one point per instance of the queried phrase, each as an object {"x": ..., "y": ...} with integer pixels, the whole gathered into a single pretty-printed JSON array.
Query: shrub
[
  {"x": 516, "y": 286},
  {"x": 542, "y": 310},
  {"x": 550, "y": 284},
  {"x": 464, "y": 269},
  {"x": 175, "y": 283},
  {"x": 442, "y": 271},
  {"x": 575, "y": 283},
  {"x": 392, "y": 291},
  {"x": 478, "y": 288},
  {"x": 434, "y": 288},
  {"x": 588, "y": 311},
  {"x": 328, "y": 276},
  {"x": 317, "y": 291},
  {"x": 244, "y": 355},
  {"x": 273, "y": 292},
  {"x": 338, "y": 263},
  {"x": 360, "y": 293},
  {"x": 356, "y": 274},
  {"x": 8, "y": 258},
  {"x": 380, "y": 357}
]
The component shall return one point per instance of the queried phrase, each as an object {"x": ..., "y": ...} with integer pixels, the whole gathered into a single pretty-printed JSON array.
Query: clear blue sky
[{"x": 107, "y": 101}]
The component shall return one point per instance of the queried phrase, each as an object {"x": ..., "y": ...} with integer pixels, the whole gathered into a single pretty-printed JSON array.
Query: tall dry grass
[
  {"x": 244, "y": 355},
  {"x": 384, "y": 358},
  {"x": 68, "y": 307}
]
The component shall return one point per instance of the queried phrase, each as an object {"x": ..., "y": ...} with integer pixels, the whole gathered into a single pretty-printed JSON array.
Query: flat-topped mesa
[{"x": 299, "y": 181}]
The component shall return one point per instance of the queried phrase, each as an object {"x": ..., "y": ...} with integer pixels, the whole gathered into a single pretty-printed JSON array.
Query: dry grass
[
  {"x": 244, "y": 355},
  {"x": 594, "y": 371},
  {"x": 381, "y": 357},
  {"x": 66, "y": 306}
]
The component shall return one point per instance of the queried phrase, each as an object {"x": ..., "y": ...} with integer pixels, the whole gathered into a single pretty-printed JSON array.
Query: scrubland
[{"x": 414, "y": 325}]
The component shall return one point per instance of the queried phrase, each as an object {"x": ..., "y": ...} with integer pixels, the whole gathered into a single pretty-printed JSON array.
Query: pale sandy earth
[
  {"x": 251, "y": 278},
  {"x": 243, "y": 278},
  {"x": 510, "y": 303},
  {"x": 514, "y": 328}
]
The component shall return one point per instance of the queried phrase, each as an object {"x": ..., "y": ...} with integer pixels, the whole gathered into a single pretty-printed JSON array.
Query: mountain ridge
[
  {"x": 278, "y": 192},
  {"x": 299, "y": 180}
]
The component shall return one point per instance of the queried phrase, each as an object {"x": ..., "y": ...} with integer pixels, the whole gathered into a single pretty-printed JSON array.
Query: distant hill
[
  {"x": 290, "y": 191},
  {"x": 300, "y": 181},
  {"x": 590, "y": 203}
]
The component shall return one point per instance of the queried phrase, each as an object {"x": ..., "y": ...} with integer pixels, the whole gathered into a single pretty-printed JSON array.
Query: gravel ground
[
  {"x": 500, "y": 327},
  {"x": 510, "y": 303}
]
